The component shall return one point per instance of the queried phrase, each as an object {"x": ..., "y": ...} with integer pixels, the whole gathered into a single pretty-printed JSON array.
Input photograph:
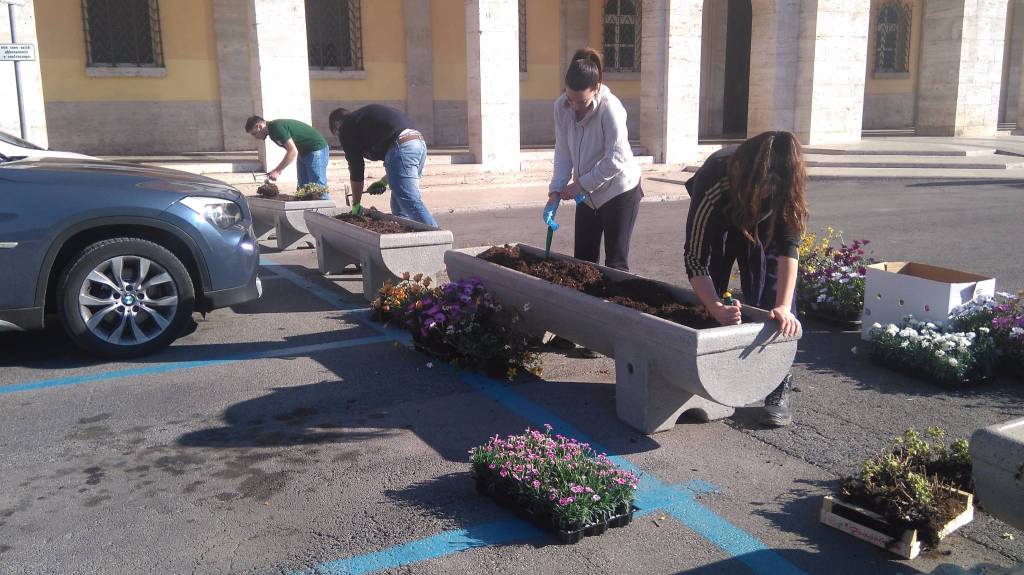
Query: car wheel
[{"x": 125, "y": 297}]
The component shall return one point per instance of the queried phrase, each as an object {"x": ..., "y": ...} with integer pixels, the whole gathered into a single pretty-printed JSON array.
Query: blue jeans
[
  {"x": 312, "y": 167},
  {"x": 404, "y": 165}
]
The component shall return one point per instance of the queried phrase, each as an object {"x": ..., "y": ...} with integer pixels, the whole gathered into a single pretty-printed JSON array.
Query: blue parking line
[{"x": 175, "y": 366}]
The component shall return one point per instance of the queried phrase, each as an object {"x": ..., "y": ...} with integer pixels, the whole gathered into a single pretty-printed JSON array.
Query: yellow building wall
[
  {"x": 882, "y": 85},
  {"x": 622, "y": 88},
  {"x": 543, "y": 41},
  {"x": 189, "y": 48},
  {"x": 383, "y": 58},
  {"x": 448, "y": 31}
]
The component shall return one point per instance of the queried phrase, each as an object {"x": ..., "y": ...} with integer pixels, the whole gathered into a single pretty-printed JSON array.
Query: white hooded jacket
[{"x": 594, "y": 151}]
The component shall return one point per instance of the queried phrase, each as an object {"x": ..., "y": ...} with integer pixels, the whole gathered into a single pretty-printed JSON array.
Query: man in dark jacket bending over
[{"x": 376, "y": 132}]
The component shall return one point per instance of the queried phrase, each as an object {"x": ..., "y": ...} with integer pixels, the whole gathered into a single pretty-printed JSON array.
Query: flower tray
[
  {"x": 543, "y": 520},
  {"x": 876, "y": 530},
  {"x": 943, "y": 383}
]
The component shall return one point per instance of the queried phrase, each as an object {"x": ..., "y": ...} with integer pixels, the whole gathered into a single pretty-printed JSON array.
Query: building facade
[{"x": 172, "y": 76}]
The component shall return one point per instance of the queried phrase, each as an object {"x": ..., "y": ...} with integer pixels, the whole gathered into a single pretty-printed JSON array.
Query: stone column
[
  {"x": 807, "y": 62},
  {"x": 714, "y": 32},
  {"x": 280, "y": 69},
  {"x": 575, "y": 17},
  {"x": 31, "y": 79},
  {"x": 419, "y": 66},
  {"x": 830, "y": 77},
  {"x": 670, "y": 79},
  {"x": 231, "y": 27},
  {"x": 961, "y": 67},
  {"x": 492, "y": 81}
]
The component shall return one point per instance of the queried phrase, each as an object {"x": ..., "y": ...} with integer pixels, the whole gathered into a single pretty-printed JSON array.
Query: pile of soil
[
  {"x": 269, "y": 190},
  {"x": 639, "y": 294},
  {"x": 375, "y": 225}
]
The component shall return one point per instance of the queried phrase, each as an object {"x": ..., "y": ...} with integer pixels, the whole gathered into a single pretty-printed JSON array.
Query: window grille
[
  {"x": 522, "y": 36},
  {"x": 892, "y": 38},
  {"x": 622, "y": 35},
  {"x": 334, "y": 34},
  {"x": 122, "y": 33}
]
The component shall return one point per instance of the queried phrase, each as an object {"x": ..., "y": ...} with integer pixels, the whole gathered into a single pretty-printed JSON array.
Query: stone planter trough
[
  {"x": 662, "y": 369},
  {"x": 381, "y": 256},
  {"x": 285, "y": 219},
  {"x": 997, "y": 456}
]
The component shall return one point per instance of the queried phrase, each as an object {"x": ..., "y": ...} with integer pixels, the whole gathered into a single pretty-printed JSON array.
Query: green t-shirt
[{"x": 306, "y": 138}]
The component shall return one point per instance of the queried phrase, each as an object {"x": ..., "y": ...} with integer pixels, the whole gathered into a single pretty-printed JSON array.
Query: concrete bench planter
[
  {"x": 997, "y": 455},
  {"x": 381, "y": 256},
  {"x": 662, "y": 369},
  {"x": 285, "y": 219}
]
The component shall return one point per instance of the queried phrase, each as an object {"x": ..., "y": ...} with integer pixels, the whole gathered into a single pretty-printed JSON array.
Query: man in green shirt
[{"x": 302, "y": 143}]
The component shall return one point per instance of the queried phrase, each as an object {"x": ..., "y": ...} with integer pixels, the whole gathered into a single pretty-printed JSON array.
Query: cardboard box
[{"x": 894, "y": 290}]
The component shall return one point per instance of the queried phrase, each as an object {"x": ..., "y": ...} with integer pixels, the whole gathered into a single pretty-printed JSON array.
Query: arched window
[
  {"x": 622, "y": 35},
  {"x": 334, "y": 34},
  {"x": 123, "y": 33},
  {"x": 892, "y": 38}
]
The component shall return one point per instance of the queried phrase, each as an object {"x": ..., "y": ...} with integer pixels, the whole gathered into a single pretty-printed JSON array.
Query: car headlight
[{"x": 221, "y": 213}]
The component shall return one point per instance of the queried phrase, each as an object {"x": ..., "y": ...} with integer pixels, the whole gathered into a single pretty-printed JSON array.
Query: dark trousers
[{"x": 614, "y": 220}]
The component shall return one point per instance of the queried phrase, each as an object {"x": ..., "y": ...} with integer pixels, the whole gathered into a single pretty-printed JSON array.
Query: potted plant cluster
[
  {"x": 830, "y": 279},
  {"x": 459, "y": 322},
  {"x": 936, "y": 352},
  {"x": 555, "y": 481},
  {"x": 908, "y": 497},
  {"x": 1003, "y": 316}
]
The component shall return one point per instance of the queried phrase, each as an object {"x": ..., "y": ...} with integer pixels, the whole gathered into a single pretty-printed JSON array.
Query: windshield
[{"x": 16, "y": 141}]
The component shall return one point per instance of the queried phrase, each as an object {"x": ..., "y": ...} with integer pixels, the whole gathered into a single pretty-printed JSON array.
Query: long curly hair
[{"x": 767, "y": 173}]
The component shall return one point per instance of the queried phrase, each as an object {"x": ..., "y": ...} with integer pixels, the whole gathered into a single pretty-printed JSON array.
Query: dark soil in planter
[
  {"x": 268, "y": 190},
  {"x": 376, "y": 225},
  {"x": 642, "y": 295}
]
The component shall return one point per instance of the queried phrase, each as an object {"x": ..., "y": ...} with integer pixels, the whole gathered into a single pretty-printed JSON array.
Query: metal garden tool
[{"x": 549, "y": 219}]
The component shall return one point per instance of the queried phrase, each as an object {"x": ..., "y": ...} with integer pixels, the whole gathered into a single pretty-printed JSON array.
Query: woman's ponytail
[{"x": 585, "y": 71}]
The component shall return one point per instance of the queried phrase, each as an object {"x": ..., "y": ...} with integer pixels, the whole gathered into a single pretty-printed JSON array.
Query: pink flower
[
  {"x": 492, "y": 466},
  {"x": 595, "y": 497},
  {"x": 576, "y": 489},
  {"x": 503, "y": 472},
  {"x": 536, "y": 484}
]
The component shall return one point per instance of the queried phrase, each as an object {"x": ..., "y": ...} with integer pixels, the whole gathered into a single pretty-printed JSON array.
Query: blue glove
[{"x": 549, "y": 215}]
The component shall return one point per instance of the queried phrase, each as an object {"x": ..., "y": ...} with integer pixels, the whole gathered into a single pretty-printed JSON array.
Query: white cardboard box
[{"x": 894, "y": 290}]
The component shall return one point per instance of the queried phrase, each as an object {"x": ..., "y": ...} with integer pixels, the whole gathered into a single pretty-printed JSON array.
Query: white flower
[
  {"x": 891, "y": 329},
  {"x": 430, "y": 365},
  {"x": 930, "y": 325},
  {"x": 853, "y": 350},
  {"x": 821, "y": 298},
  {"x": 526, "y": 306},
  {"x": 953, "y": 362},
  {"x": 1017, "y": 331},
  {"x": 876, "y": 325},
  {"x": 904, "y": 343},
  {"x": 983, "y": 329},
  {"x": 940, "y": 353}
]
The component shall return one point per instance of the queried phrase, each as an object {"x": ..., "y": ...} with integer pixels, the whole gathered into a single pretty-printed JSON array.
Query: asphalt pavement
[{"x": 292, "y": 435}]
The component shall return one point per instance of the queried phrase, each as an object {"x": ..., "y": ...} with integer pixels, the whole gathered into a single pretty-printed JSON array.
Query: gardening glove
[
  {"x": 549, "y": 214},
  {"x": 378, "y": 187},
  {"x": 356, "y": 209}
]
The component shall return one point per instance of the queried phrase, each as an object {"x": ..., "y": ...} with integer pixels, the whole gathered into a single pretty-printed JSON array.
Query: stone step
[
  {"x": 450, "y": 173},
  {"x": 882, "y": 161},
  {"x": 880, "y": 147}
]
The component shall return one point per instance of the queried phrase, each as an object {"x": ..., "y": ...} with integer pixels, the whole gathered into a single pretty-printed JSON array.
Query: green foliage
[{"x": 311, "y": 191}]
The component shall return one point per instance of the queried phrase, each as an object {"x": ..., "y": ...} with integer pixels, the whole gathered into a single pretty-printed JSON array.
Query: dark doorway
[{"x": 737, "y": 68}]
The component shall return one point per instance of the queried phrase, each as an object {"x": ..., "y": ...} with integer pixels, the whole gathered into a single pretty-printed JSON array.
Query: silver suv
[{"x": 120, "y": 254}]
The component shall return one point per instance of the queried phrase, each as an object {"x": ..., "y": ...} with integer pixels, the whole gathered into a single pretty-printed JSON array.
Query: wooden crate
[{"x": 873, "y": 528}]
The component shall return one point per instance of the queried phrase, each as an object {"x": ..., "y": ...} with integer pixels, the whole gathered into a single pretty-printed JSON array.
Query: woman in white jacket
[{"x": 594, "y": 164}]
